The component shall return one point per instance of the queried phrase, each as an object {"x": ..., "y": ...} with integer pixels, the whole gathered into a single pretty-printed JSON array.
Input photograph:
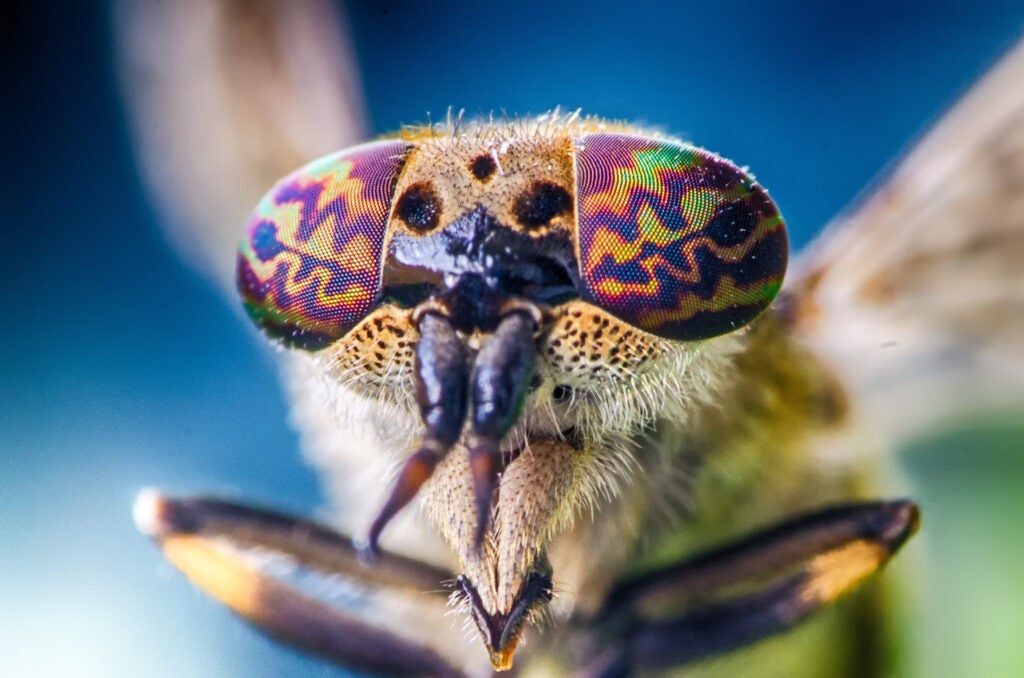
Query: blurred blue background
[{"x": 122, "y": 369}]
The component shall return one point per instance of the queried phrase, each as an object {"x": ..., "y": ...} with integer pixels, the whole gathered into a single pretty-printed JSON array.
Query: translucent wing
[
  {"x": 918, "y": 292},
  {"x": 227, "y": 97}
]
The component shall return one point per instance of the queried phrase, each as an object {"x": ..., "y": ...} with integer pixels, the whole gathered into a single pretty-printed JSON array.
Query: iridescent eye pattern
[
  {"x": 309, "y": 267},
  {"x": 673, "y": 239}
]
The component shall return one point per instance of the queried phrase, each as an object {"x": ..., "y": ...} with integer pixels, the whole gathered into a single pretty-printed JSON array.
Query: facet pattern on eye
[
  {"x": 673, "y": 239},
  {"x": 309, "y": 266}
]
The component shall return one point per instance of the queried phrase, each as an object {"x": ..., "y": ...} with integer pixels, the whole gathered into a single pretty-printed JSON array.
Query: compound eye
[
  {"x": 309, "y": 267},
  {"x": 673, "y": 239}
]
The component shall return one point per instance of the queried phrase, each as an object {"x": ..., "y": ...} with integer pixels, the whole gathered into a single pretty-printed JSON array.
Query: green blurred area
[{"x": 966, "y": 568}]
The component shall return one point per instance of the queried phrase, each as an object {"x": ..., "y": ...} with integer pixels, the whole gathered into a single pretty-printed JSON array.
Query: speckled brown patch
[
  {"x": 586, "y": 344},
  {"x": 378, "y": 352}
]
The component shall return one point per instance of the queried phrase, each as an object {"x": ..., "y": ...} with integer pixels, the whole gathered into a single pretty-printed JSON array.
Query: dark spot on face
[
  {"x": 561, "y": 393},
  {"x": 482, "y": 167},
  {"x": 540, "y": 203},
  {"x": 419, "y": 207}
]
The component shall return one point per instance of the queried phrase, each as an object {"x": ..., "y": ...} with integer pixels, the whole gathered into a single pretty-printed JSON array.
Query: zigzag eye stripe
[
  {"x": 673, "y": 239},
  {"x": 309, "y": 267},
  {"x": 670, "y": 238}
]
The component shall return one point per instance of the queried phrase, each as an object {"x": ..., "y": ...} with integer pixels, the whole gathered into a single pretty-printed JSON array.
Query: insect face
[{"x": 509, "y": 287}]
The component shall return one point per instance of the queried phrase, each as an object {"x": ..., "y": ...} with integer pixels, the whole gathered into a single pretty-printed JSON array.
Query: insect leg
[
  {"x": 215, "y": 544},
  {"x": 795, "y": 568}
]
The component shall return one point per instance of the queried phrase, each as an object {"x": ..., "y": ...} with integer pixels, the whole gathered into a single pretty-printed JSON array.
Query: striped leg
[
  {"x": 807, "y": 563},
  {"x": 218, "y": 545}
]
